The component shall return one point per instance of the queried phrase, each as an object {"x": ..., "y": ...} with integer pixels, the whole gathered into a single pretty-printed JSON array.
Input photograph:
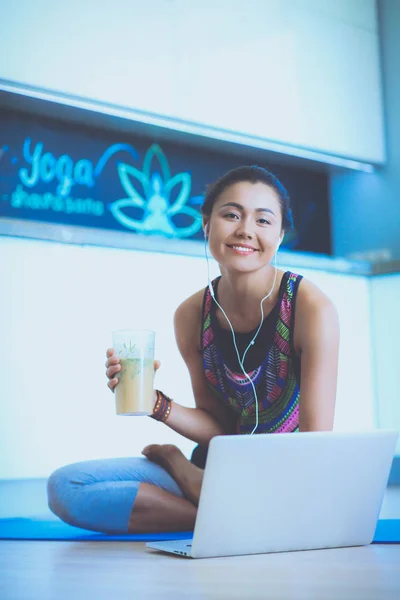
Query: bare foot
[{"x": 187, "y": 476}]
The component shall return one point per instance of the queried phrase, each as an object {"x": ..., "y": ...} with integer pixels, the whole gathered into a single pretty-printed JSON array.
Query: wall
[
  {"x": 366, "y": 207},
  {"x": 304, "y": 73},
  {"x": 59, "y": 304},
  {"x": 385, "y": 293}
]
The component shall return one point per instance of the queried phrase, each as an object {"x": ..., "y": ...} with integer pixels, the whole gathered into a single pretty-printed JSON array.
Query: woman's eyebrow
[{"x": 240, "y": 207}]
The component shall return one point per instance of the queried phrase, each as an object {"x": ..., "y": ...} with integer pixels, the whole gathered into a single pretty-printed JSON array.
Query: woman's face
[{"x": 245, "y": 227}]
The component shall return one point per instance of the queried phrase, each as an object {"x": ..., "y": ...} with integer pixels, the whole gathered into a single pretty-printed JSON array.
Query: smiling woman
[
  {"x": 246, "y": 219},
  {"x": 261, "y": 347}
]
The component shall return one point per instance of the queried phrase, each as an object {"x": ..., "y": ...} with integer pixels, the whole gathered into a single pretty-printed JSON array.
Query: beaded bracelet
[{"x": 162, "y": 407}]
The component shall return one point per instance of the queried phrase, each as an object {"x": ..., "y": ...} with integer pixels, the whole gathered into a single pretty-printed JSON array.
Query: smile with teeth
[{"x": 242, "y": 249}]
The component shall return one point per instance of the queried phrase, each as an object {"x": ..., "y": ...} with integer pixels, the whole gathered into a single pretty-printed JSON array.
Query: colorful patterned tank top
[{"x": 276, "y": 379}]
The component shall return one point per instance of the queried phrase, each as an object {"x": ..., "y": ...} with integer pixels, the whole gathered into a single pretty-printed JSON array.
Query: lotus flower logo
[{"x": 159, "y": 199}]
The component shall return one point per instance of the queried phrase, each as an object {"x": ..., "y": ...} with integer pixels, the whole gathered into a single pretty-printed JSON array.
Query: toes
[
  {"x": 161, "y": 452},
  {"x": 172, "y": 450},
  {"x": 151, "y": 449}
]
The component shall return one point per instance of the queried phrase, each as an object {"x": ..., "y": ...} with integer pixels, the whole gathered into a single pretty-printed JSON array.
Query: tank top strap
[
  {"x": 285, "y": 328},
  {"x": 206, "y": 331}
]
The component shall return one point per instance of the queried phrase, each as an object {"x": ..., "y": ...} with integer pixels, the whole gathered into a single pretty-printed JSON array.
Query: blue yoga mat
[
  {"x": 387, "y": 532},
  {"x": 35, "y": 529}
]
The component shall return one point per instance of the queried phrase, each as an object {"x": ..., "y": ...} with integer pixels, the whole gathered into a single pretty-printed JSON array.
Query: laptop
[{"x": 277, "y": 493}]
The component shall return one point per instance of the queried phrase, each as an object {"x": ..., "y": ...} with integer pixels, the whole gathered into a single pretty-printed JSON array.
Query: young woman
[{"x": 261, "y": 347}]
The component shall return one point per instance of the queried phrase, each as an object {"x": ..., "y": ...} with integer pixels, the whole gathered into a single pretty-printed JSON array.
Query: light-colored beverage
[{"x": 134, "y": 392}]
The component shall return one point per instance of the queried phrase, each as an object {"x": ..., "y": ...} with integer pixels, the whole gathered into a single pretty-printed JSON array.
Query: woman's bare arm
[
  {"x": 210, "y": 417},
  {"x": 316, "y": 338}
]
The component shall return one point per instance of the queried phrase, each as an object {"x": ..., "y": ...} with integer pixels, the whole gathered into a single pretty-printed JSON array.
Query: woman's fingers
[
  {"x": 112, "y": 383},
  {"x": 113, "y": 370},
  {"x": 113, "y": 367},
  {"x": 113, "y": 360}
]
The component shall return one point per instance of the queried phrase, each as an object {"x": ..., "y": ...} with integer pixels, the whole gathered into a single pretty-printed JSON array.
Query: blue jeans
[{"x": 99, "y": 494}]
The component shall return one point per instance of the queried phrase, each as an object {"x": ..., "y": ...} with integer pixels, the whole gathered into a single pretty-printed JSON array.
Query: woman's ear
[{"x": 205, "y": 228}]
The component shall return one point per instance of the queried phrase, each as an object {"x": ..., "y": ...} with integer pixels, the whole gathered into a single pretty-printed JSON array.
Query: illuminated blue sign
[
  {"x": 47, "y": 183},
  {"x": 155, "y": 200},
  {"x": 60, "y": 174}
]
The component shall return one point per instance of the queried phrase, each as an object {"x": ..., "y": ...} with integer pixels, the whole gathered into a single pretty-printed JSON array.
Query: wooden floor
[{"x": 119, "y": 570}]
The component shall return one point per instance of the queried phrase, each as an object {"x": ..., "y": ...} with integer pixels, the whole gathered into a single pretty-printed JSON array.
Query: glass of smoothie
[{"x": 134, "y": 391}]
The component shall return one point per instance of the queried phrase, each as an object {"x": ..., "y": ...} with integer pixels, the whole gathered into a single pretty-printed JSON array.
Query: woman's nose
[{"x": 244, "y": 231}]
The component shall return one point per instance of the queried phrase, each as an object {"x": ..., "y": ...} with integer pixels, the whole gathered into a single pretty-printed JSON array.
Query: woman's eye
[
  {"x": 264, "y": 222},
  {"x": 231, "y": 215}
]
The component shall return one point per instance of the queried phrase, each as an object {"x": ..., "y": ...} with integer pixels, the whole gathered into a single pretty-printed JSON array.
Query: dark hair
[{"x": 253, "y": 174}]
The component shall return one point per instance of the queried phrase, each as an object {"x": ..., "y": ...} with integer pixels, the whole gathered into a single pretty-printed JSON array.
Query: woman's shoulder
[
  {"x": 314, "y": 309},
  {"x": 316, "y": 315},
  {"x": 188, "y": 320},
  {"x": 310, "y": 296},
  {"x": 192, "y": 306}
]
